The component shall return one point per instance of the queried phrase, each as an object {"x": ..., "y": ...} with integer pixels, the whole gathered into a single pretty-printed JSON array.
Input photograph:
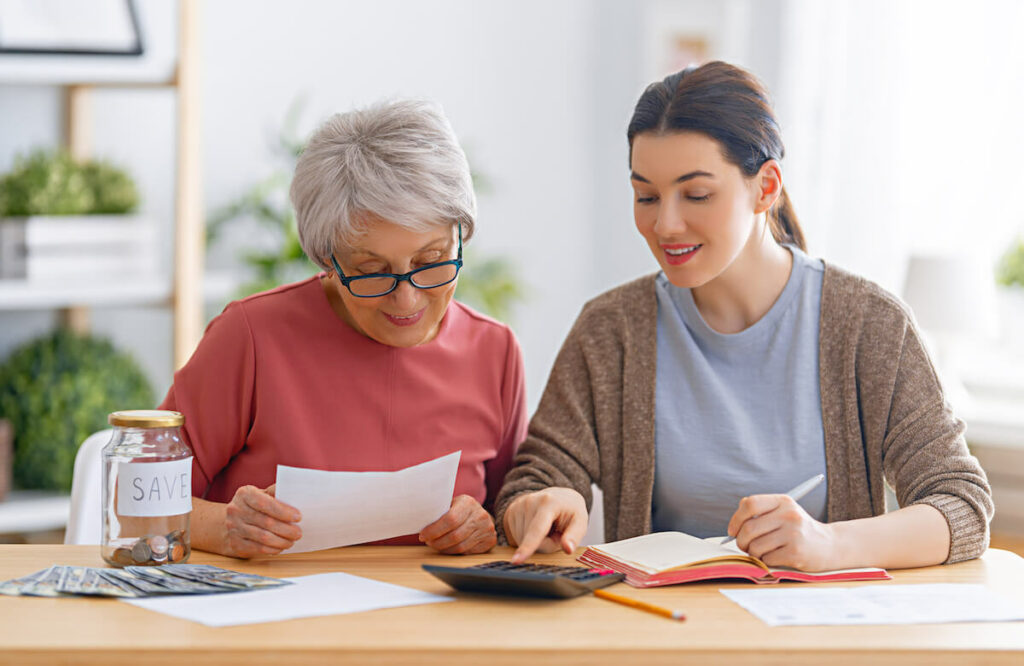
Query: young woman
[{"x": 695, "y": 396}]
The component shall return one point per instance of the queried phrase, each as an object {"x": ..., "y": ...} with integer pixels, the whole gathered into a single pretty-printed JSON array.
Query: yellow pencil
[{"x": 642, "y": 605}]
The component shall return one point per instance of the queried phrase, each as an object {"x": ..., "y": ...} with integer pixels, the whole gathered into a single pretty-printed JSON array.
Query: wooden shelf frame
[{"x": 185, "y": 296}]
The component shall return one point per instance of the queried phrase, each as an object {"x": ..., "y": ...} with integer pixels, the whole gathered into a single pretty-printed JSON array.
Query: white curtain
[{"x": 903, "y": 127}]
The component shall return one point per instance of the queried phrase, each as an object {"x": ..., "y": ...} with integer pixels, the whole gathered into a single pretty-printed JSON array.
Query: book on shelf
[{"x": 667, "y": 558}]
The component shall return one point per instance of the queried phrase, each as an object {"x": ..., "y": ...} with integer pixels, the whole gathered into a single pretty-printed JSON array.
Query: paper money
[
  {"x": 206, "y": 573},
  {"x": 45, "y": 585},
  {"x": 175, "y": 584},
  {"x": 89, "y": 582},
  {"x": 134, "y": 581},
  {"x": 127, "y": 579},
  {"x": 13, "y": 588}
]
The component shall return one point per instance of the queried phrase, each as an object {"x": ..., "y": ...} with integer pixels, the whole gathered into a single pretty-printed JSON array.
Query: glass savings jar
[{"x": 147, "y": 490}]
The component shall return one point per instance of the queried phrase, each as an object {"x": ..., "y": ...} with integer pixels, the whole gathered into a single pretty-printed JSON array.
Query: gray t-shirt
[{"x": 737, "y": 414}]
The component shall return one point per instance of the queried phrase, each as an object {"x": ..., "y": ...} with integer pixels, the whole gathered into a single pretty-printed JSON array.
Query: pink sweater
[{"x": 278, "y": 378}]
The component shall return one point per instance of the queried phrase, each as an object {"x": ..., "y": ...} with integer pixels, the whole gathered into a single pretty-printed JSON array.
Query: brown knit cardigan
[{"x": 882, "y": 408}]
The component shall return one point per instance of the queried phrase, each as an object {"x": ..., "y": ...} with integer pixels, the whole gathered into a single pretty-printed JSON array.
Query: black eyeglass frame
[{"x": 404, "y": 277}]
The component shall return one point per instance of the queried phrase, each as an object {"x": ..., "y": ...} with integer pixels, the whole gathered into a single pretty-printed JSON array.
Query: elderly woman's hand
[
  {"x": 257, "y": 523},
  {"x": 466, "y": 528}
]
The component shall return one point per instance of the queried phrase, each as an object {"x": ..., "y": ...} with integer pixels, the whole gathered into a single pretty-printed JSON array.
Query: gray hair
[{"x": 397, "y": 161}]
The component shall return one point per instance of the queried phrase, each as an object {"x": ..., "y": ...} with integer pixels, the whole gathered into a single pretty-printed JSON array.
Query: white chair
[{"x": 85, "y": 524}]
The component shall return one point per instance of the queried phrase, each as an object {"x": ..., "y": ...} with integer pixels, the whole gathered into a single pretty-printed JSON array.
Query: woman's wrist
[
  {"x": 207, "y": 525},
  {"x": 844, "y": 550}
]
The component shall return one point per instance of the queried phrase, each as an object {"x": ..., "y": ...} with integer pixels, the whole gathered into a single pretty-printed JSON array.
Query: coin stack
[{"x": 154, "y": 550}]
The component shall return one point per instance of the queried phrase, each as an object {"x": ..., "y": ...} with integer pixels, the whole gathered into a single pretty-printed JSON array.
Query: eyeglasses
[{"x": 381, "y": 284}]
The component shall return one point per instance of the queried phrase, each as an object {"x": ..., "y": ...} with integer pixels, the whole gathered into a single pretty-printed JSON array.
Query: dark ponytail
[
  {"x": 730, "y": 105},
  {"x": 783, "y": 222}
]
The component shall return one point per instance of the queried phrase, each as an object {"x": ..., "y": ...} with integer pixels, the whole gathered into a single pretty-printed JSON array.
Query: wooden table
[{"x": 484, "y": 630}]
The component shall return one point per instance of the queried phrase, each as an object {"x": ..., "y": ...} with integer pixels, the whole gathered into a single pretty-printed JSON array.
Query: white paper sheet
[
  {"x": 345, "y": 508},
  {"x": 310, "y": 596},
  {"x": 882, "y": 604}
]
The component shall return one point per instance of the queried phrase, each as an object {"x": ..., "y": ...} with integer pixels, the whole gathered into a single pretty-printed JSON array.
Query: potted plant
[
  {"x": 57, "y": 390},
  {"x": 59, "y": 216}
]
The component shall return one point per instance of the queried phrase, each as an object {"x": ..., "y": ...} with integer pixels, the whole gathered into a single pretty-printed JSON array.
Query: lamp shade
[{"x": 951, "y": 294}]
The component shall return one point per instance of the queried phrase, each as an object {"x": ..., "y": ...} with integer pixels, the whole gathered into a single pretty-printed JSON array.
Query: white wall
[{"x": 903, "y": 132}]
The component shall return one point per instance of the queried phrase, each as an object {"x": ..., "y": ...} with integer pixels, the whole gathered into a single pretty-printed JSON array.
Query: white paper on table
[
  {"x": 308, "y": 596},
  {"x": 882, "y": 604},
  {"x": 345, "y": 508}
]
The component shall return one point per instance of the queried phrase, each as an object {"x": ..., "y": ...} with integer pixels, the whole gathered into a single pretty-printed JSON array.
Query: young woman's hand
[
  {"x": 545, "y": 521},
  {"x": 465, "y": 528},
  {"x": 777, "y": 530},
  {"x": 257, "y": 523}
]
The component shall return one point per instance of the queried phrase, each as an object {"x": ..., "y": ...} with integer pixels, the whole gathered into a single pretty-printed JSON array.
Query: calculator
[{"x": 534, "y": 580}]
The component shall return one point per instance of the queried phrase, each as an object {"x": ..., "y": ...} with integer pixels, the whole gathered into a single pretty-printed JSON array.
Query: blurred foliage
[
  {"x": 284, "y": 261},
  {"x": 52, "y": 183},
  {"x": 57, "y": 390},
  {"x": 489, "y": 284},
  {"x": 1010, "y": 271},
  {"x": 267, "y": 203}
]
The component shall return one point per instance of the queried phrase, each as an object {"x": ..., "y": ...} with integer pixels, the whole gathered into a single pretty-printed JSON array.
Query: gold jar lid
[{"x": 146, "y": 418}]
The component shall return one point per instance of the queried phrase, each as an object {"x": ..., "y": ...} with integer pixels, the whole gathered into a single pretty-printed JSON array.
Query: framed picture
[{"x": 69, "y": 27}]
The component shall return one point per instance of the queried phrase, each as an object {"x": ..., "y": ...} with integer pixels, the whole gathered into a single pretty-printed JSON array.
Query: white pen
[{"x": 797, "y": 494}]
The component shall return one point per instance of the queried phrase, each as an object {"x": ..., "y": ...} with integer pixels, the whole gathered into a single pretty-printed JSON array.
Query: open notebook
[{"x": 666, "y": 558}]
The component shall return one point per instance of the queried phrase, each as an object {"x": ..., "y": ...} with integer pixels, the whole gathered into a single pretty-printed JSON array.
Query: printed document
[
  {"x": 879, "y": 604},
  {"x": 345, "y": 508},
  {"x": 310, "y": 596}
]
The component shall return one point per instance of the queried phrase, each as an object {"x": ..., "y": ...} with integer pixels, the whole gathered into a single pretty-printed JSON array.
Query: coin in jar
[
  {"x": 141, "y": 551},
  {"x": 158, "y": 545},
  {"x": 177, "y": 551},
  {"x": 123, "y": 556}
]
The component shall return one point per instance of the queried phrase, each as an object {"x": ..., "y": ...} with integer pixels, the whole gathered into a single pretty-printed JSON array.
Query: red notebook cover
[{"x": 728, "y": 564}]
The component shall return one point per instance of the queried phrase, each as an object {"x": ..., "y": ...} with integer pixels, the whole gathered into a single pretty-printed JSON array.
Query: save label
[{"x": 155, "y": 488}]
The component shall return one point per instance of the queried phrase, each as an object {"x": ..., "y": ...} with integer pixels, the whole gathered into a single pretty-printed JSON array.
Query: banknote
[
  {"x": 205, "y": 573},
  {"x": 143, "y": 586},
  {"x": 45, "y": 585},
  {"x": 89, "y": 581},
  {"x": 134, "y": 581},
  {"x": 175, "y": 584},
  {"x": 13, "y": 588}
]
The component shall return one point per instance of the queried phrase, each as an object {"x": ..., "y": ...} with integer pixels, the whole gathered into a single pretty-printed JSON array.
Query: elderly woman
[{"x": 367, "y": 366}]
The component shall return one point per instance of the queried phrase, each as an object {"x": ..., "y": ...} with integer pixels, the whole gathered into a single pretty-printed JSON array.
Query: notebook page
[{"x": 661, "y": 551}]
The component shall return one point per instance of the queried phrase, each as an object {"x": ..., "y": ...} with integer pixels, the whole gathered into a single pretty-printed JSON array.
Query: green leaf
[
  {"x": 52, "y": 183},
  {"x": 1010, "y": 271}
]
